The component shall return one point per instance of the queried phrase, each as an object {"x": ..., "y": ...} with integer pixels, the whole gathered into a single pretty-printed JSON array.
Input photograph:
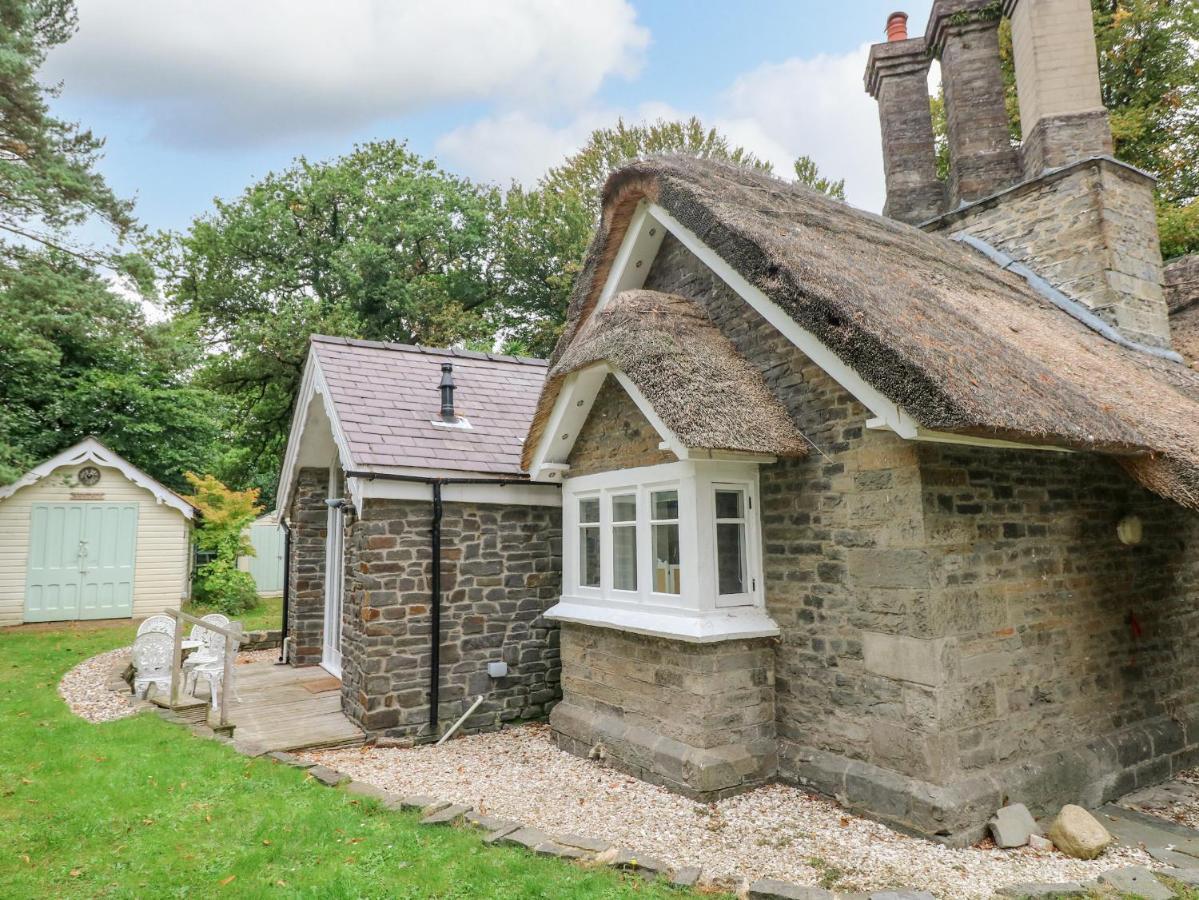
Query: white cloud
[
  {"x": 814, "y": 106},
  {"x": 220, "y": 71}
]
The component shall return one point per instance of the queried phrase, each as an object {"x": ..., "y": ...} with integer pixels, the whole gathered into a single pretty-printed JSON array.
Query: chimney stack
[
  {"x": 1057, "y": 77},
  {"x": 964, "y": 35},
  {"x": 897, "y": 76}
]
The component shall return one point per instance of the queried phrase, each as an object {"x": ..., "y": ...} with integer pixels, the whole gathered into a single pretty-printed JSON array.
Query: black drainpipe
[
  {"x": 286, "y": 588},
  {"x": 435, "y": 587}
]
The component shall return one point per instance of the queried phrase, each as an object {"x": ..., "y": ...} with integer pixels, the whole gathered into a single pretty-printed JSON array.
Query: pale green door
[
  {"x": 266, "y": 566},
  {"x": 81, "y": 561}
]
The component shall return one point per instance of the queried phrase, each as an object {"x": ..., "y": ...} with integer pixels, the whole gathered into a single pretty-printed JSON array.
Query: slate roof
[{"x": 385, "y": 398}]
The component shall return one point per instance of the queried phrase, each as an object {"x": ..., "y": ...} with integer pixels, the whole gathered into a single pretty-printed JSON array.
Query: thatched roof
[
  {"x": 960, "y": 344},
  {"x": 707, "y": 395},
  {"x": 1182, "y": 295}
]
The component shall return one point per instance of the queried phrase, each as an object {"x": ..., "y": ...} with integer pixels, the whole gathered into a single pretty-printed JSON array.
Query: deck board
[{"x": 277, "y": 712}]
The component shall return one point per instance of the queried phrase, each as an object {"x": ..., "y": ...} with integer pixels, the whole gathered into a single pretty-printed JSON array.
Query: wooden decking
[{"x": 277, "y": 711}]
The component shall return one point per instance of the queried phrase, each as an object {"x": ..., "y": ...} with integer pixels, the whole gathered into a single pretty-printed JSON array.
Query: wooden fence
[{"x": 233, "y": 636}]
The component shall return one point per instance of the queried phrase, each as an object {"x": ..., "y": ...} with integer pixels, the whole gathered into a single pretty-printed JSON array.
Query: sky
[{"x": 199, "y": 98}]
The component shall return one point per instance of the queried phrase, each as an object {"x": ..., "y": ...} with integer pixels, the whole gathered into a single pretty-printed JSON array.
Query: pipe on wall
[{"x": 286, "y": 590}]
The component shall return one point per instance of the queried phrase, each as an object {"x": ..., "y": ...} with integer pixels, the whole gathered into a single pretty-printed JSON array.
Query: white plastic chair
[
  {"x": 152, "y": 653},
  {"x": 158, "y": 624}
]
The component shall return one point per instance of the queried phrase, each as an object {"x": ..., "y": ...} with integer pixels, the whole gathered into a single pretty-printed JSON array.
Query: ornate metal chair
[
  {"x": 152, "y": 662},
  {"x": 159, "y": 624}
]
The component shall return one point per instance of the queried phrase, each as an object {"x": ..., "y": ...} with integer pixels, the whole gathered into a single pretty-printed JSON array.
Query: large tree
[
  {"x": 77, "y": 356},
  {"x": 377, "y": 244}
]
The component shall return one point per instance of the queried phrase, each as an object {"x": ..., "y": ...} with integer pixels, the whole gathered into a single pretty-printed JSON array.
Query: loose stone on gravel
[
  {"x": 687, "y": 876},
  {"x": 1077, "y": 833},
  {"x": 328, "y": 776},
  {"x": 1037, "y": 891},
  {"x": 445, "y": 816},
  {"x": 1012, "y": 825},
  {"x": 773, "y": 889}
]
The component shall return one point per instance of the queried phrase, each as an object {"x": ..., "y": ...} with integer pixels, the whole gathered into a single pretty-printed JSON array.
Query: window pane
[
  {"x": 624, "y": 558},
  {"x": 729, "y": 505},
  {"x": 666, "y": 504},
  {"x": 666, "y": 559},
  {"x": 589, "y": 510},
  {"x": 624, "y": 508},
  {"x": 589, "y": 556},
  {"x": 730, "y": 557}
]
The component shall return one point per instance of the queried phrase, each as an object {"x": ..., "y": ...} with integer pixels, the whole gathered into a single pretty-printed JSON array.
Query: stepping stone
[
  {"x": 1138, "y": 881},
  {"x": 447, "y": 815},
  {"x": 420, "y": 802},
  {"x": 1134, "y": 828},
  {"x": 561, "y": 851},
  {"x": 1037, "y": 890},
  {"x": 1189, "y": 877},
  {"x": 1012, "y": 825},
  {"x": 686, "y": 876},
  {"x": 502, "y": 832},
  {"x": 583, "y": 843},
  {"x": 289, "y": 759},
  {"x": 773, "y": 889},
  {"x": 902, "y": 894},
  {"x": 634, "y": 862},
  {"x": 370, "y": 791},
  {"x": 520, "y": 837},
  {"x": 488, "y": 823},
  {"x": 328, "y": 776}
]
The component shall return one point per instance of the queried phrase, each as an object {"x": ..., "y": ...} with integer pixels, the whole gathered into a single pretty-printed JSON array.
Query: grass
[
  {"x": 268, "y": 614},
  {"x": 139, "y": 807}
]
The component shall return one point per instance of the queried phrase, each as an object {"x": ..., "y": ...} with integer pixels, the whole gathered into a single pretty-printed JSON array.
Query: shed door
[
  {"x": 81, "y": 561},
  {"x": 266, "y": 567}
]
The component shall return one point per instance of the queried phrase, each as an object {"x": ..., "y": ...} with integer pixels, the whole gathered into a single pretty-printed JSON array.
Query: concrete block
[{"x": 907, "y": 658}]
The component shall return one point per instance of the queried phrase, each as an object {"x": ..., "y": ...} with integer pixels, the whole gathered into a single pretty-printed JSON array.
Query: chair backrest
[
  {"x": 152, "y": 652},
  {"x": 159, "y": 624},
  {"x": 216, "y": 619}
]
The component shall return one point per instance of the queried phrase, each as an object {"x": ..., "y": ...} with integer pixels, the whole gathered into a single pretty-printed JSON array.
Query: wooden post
[
  {"x": 231, "y": 642},
  {"x": 176, "y": 658}
]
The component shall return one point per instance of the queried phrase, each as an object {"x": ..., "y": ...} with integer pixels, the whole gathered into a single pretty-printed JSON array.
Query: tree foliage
[
  {"x": 224, "y": 517},
  {"x": 807, "y": 174},
  {"x": 378, "y": 244}
]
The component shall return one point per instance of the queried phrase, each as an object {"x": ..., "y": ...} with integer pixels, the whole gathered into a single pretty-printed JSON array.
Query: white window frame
[
  {"x": 697, "y": 613},
  {"x": 748, "y": 512}
]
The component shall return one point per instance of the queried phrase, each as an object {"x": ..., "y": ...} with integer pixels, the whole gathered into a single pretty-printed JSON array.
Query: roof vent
[{"x": 449, "y": 418}]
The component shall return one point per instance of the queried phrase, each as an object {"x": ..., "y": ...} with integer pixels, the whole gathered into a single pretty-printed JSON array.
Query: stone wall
[
  {"x": 501, "y": 569},
  {"x": 616, "y": 435},
  {"x": 308, "y": 522},
  {"x": 1091, "y": 231},
  {"x": 698, "y": 718}
]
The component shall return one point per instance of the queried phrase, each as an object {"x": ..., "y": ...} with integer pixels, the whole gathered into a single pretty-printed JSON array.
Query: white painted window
[{"x": 672, "y": 549}]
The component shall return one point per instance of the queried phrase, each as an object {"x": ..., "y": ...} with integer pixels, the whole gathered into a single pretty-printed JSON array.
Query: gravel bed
[
  {"x": 773, "y": 832},
  {"x": 85, "y": 688}
]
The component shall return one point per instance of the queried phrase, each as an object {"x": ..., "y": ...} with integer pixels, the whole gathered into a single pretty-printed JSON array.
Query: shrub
[{"x": 224, "y": 515}]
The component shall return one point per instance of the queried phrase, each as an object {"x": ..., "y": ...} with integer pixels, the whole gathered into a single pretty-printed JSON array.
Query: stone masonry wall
[
  {"x": 698, "y": 718},
  {"x": 308, "y": 522},
  {"x": 1091, "y": 231},
  {"x": 842, "y": 535},
  {"x": 616, "y": 435},
  {"x": 501, "y": 569}
]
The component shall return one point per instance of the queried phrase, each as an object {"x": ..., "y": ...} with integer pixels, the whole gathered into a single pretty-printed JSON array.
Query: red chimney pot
[{"x": 897, "y": 26}]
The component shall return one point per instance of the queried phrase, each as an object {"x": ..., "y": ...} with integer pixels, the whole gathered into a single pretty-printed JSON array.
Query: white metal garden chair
[
  {"x": 158, "y": 624},
  {"x": 152, "y": 653},
  {"x": 208, "y": 662}
]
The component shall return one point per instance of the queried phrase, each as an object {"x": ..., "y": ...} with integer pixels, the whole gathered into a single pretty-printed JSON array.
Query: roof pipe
[{"x": 286, "y": 590}]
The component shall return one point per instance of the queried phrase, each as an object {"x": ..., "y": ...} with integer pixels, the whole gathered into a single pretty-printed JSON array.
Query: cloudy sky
[{"x": 197, "y": 98}]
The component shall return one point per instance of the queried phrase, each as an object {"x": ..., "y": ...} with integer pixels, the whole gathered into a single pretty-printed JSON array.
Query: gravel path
[
  {"x": 85, "y": 688},
  {"x": 773, "y": 832}
]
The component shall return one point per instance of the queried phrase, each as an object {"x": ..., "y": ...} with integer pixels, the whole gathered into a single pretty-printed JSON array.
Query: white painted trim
[
  {"x": 946, "y": 437},
  {"x": 640, "y": 244},
  {"x": 500, "y": 494},
  {"x": 91, "y": 450},
  {"x": 737, "y": 622}
]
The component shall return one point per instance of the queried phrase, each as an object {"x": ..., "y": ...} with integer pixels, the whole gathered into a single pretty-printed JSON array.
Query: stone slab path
[{"x": 1166, "y": 841}]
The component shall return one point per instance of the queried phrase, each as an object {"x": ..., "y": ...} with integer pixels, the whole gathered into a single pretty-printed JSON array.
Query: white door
[{"x": 334, "y": 582}]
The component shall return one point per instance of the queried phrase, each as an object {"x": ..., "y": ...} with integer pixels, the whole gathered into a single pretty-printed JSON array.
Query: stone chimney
[
  {"x": 1057, "y": 77},
  {"x": 897, "y": 76}
]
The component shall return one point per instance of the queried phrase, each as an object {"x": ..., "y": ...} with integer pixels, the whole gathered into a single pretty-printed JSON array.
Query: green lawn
[
  {"x": 141, "y": 808},
  {"x": 268, "y": 614}
]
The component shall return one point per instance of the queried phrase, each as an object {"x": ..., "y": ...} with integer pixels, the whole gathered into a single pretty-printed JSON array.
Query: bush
[{"x": 224, "y": 515}]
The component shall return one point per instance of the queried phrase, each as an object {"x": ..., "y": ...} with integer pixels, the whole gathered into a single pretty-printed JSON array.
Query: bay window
[{"x": 671, "y": 549}]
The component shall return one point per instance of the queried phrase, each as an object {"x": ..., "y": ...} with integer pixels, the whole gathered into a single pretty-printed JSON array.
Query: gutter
[{"x": 436, "y": 484}]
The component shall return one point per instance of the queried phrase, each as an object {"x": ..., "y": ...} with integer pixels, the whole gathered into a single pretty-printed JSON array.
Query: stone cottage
[{"x": 900, "y": 508}]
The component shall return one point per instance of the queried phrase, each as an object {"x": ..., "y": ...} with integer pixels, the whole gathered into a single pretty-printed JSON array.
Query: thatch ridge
[
  {"x": 961, "y": 345},
  {"x": 701, "y": 389}
]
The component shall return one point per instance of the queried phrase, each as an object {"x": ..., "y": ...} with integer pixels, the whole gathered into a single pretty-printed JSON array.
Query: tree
[
  {"x": 77, "y": 359},
  {"x": 546, "y": 229},
  {"x": 224, "y": 515},
  {"x": 48, "y": 177},
  {"x": 377, "y": 244},
  {"x": 806, "y": 173}
]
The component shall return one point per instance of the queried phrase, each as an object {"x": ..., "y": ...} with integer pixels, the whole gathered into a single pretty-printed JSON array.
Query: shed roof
[
  {"x": 385, "y": 400},
  {"x": 701, "y": 389},
  {"x": 935, "y": 327}
]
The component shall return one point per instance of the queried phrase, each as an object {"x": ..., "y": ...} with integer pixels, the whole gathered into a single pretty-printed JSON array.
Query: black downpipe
[
  {"x": 435, "y": 587},
  {"x": 435, "y": 612},
  {"x": 286, "y": 588}
]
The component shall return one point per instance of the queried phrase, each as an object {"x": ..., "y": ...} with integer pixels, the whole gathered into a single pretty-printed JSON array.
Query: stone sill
[{"x": 698, "y": 627}]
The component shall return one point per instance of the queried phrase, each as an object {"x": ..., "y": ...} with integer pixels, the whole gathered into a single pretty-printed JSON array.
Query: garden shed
[
  {"x": 88, "y": 535},
  {"x": 266, "y": 565}
]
